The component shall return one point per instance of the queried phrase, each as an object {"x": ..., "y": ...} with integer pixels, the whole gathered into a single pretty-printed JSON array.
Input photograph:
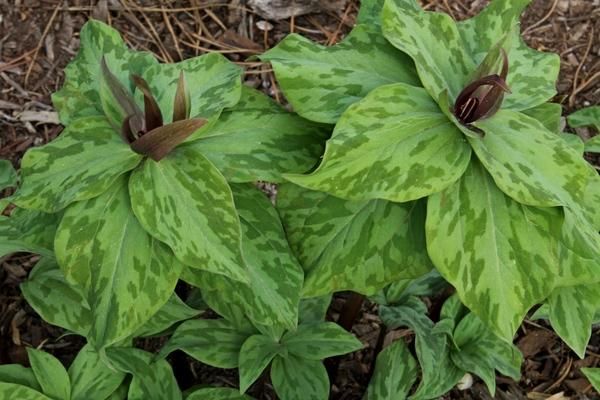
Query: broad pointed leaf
[
  {"x": 313, "y": 309},
  {"x": 18, "y": 374},
  {"x": 496, "y": 252},
  {"x": 55, "y": 300},
  {"x": 91, "y": 378},
  {"x": 127, "y": 275},
  {"x": 395, "y": 372},
  {"x": 434, "y": 43},
  {"x": 174, "y": 311},
  {"x": 152, "y": 380},
  {"x": 395, "y": 145},
  {"x": 321, "y": 82},
  {"x": 589, "y": 116},
  {"x": 370, "y": 13},
  {"x": 51, "y": 375},
  {"x": 255, "y": 355},
  {"x": 185, "y": 202},
  {"x": 318, "y": 341},
  {"x": 80, "y": 95},
  {"x": 259, "y": 140},
  {"x": 549, "y": 114},
  {"x": 217, "y": 394},
  {"x": 215, "y": 84},
  {"x": 28, "y": 231},
  {"x": 8, "y": 175},
  {"x": 593, "y": 375},
  {"x": 81, "y": 164},
  {"x": 295, "y": 377},
  {"x": 215, "y": 342},
  {"x": 14, "y": 391},
  {"x": 354, "y": 245}
]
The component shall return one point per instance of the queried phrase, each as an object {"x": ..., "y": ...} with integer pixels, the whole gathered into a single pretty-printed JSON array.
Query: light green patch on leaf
[
  {"x": 81, "y": 164},
  {"x": 357, "y": 245},
  {"x": 295, "y": 377},
  {"x": 259, "y": 140},
  {"x": 217, "y": 394},
  {"x": 174, "y": 311},
  {"x": 127, "y": 275},
  {"x": 19, "y": 375},
  {"x": 80, "y": 95},
  {"x": 152, "y": 379},
  {"x": 55, "y": 300},
  {"x": 255, "y": 355},
  {"x": 394, "y": 145},
  {"x": 434, "y": 43},
  {"x": 214, "y": 84},
  {"x": 593, "y": 375},
  {"x": 395, "y": 372},
  {"x": 51, "y": 375},
  {"x": 14, "y": 391},
  {"x": 91, "y": 378},
  {"x": 318, "y": 341},
  {"x": 215, "y": 342},
  {"x": 185, "y": 202},
  {"x": 529, "y": 163},
  {"x": 589, "y": 116},
  {"x": 321, "y": 82},
  {"x": 497, "y": 253}
]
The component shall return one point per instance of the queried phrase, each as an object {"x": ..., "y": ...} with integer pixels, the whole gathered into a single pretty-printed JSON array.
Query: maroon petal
[
  {"x": 159, "y": 142},
  {"x": 152, "y": 111}
]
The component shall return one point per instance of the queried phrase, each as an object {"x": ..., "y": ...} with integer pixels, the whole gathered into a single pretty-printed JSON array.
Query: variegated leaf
[
  {"x": 214, "y": 83},
  {"x": 295, "y": 377},
  {"x": 394, "y": 145},
  {"x": 429, "y": 284},
  {"x": 318, "y": 341},
  {"x": 497, "y": 253},
  {"x": 215, "y": 342},
  {"x": 255, "y": 355},
  {"x": 185, "y": 202},
  {"x": 50, "y": 373},
  {"x": 80, "y": 95},
  {"x": 549, "y": 114},
  {"x": 511, "y": 151},
  {"x": 28, "y": 231},
  {"x": 593, "y": 375},
  {"x": 395, "y": 372},
  {"x": 55, "y": 300},
  {"x": 354, "y": 245},
  {"x": 174, "y": 311},
  {"x": 91, "y": 378},
  {"x": 14, "y": 391},
  {"x": 81, "y": 164},
  {"x": 18, "y": 374},
  {"x": 126, "y": 274},
  {"x": 8, "y": 175},
  {"x": 370, "y": 13},
  {"x": 434, "y": 43},
  {"x": 313, "y": 309},
  {"x": 589, "y": 116},
  {"x": 217, "y": 394},
  {"x": 259, "y": 140},
  {"x": 152, "y": 379},
  {"x": 321, "y": 82},
  {"x": 592, "y": 145}
]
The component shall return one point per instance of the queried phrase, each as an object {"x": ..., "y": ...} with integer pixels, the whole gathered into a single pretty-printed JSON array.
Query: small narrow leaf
[
  {"x": 114, "y": 95},
  {"x": 318, "y": 341},
  {"x": 217, "y": 394},
  {"x": 153, "y": 116},
  {"x": 181, "y": 106},
  {"x": 256, "y": 354},
  {"x": 50, "y": 373},
  {"x": 91, "y": 377},
  {"x": 159, "y": 142},
  {"x": 395, "y": 373}
]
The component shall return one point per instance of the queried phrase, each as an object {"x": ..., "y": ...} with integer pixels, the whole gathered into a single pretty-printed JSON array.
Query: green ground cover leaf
[
  {"x": 217, "y": 394},
  {"x": 395, "y": 145},
  {"x": 185, "y": 202},
  {"x": 395, "y": 372},
  {"x": 28, "y": 231},
  {"x": 318, "y": 341},
  {"x": 295, "y": 377},
  {"x": 321, "y": 82},
  {"x": 256, "y": 354},
  {"x": 19, "y": 375},
  {"x": 589, "y": 116},
  {"x": 14, "y": 391},
  {"x": 51, "y": 375},
  {"x": 8, "y": 175},
  {"x": 172, "y": 312},
  {"x": 352, "y": 245},
  {"x": 593, "y": 374},
  {"x": 91, "y": 378},
  {"x": 313, "y": 309}
]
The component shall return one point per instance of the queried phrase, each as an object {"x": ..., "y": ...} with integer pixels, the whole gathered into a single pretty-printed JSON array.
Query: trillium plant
[{"x": 423, "y": 159}]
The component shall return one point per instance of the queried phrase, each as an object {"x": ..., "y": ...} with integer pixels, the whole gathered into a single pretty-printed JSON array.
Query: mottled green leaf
[
  {"x": 549, "y": 114},
  {"x": 395, "y": 145},
  {"x": 152, "y": 380},
  {"x": 81, "y": 164},
  {"x": 217, "y": 394},
  {"x": 434, "y": 43},
  {"x": 80, "y": 95},
  {"x": 494, "y": 251},
  {"x": 321, "y": 82},
  {"x": 8, "y": 175},
  {"x": 255, "y": 355},
  {"x": 592, "y": 145},
  {"x": 589, "y": 116},
  {"x": 28, "y": 231},
  {"x": 185, "y": 202},
  {"x": 18, "y": 374},
  {"x": 295, "y": 377},
  {"x": 593, "y": 375},
  {"x": 318, "y": 341},
  {"x": 14, "y": 391},
  {"x": 395, "y": 373},
  {"x": 55, "y": 300},
  {"x": 354, "y": 245},
  {"x": 370, "y": 13},
  {"x": 51, "y": 375},
  {"x": 174, "y": 311},
  {"x": 215, "y": 83},
  {"x": 91, "y": 378},
  {"x": 127, "y": 275},
  {"x": 511, "y": 152},
  {"x": 215, "y": 342},
  {"x": 259, "y": 140},
  {"x": 429, "y": 284},
  {"x": 313, "y": 309}
]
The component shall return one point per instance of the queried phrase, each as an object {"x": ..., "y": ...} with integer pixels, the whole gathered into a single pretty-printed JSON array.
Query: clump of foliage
[{"x": 446, "y": 171}]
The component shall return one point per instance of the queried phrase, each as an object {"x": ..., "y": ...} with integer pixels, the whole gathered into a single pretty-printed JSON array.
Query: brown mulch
[{"x": 39, "y": 37}]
